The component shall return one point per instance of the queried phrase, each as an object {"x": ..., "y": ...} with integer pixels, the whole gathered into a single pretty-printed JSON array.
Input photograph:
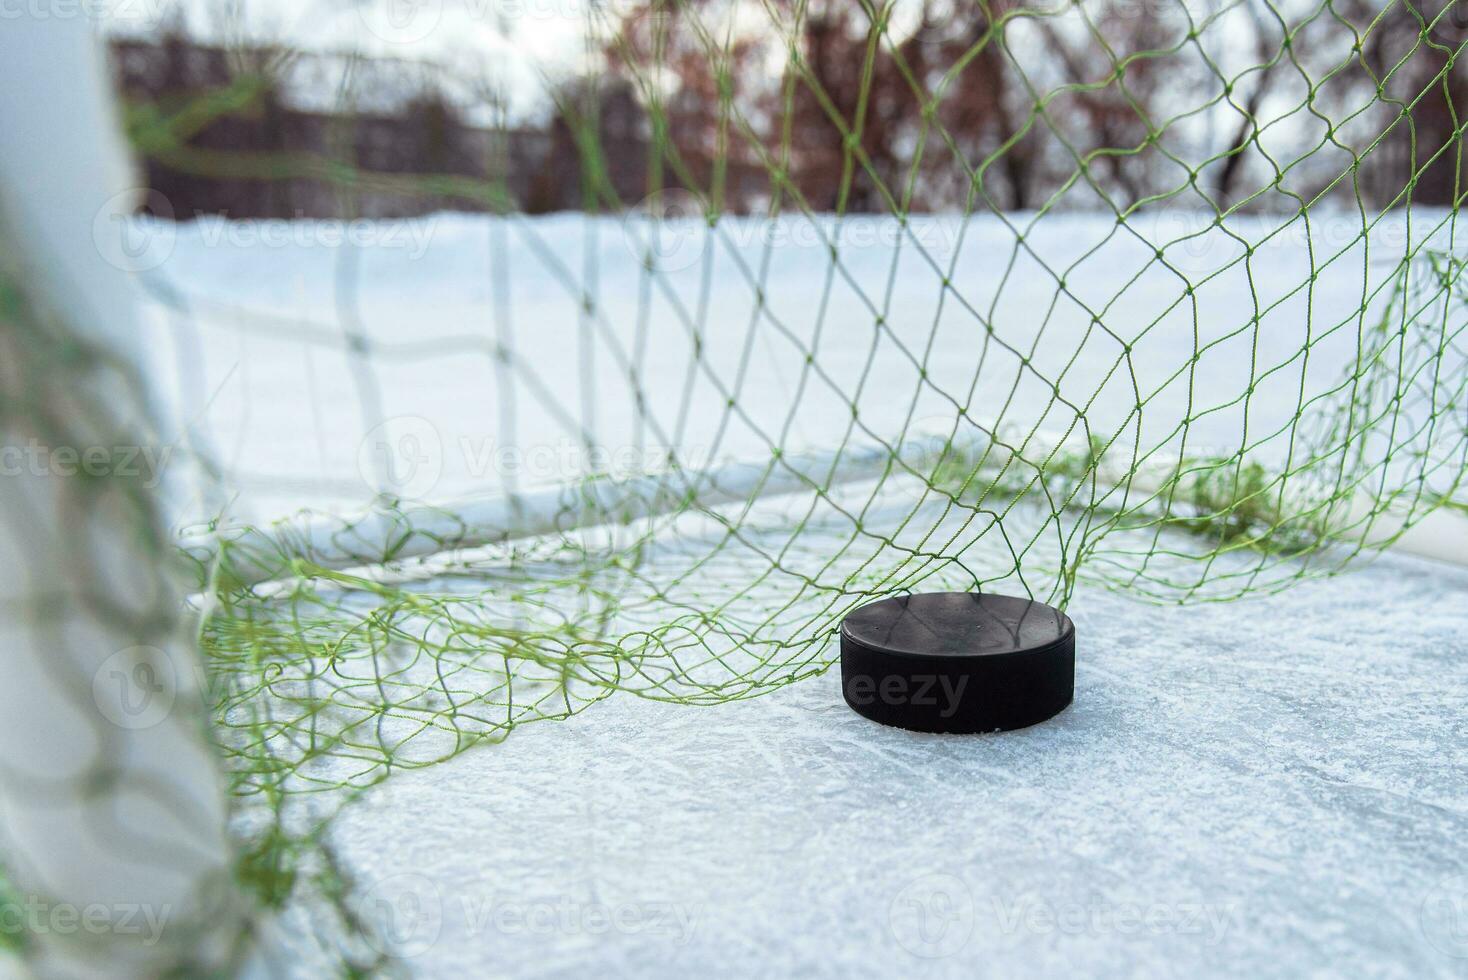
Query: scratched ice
[{"x": 1256, "y": 789}]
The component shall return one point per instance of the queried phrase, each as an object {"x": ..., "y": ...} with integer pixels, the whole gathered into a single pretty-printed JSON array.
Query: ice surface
[
  {"x": 1269, "y": 788},
  {"x": 1273, "y": 788},
  {"x": 288, "y": 348}
]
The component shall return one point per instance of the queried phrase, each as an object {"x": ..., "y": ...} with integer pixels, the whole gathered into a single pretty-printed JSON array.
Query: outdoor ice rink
[
  {"x": 452, "y": 452},
  {"x": 255, "y": 324},
  {"x": 1267, "y": 788}
]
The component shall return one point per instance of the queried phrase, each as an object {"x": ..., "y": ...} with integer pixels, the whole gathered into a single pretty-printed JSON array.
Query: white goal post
[
  {"x": 413, "y": 531},
  {"x": 114, "y": 807}
]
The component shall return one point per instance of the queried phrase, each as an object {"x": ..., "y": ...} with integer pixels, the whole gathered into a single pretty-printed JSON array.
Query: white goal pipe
[
  {"x": 376, "y": 537},
  {"x": 113, "y": 808},
  {"x": 1439, "y": 535}
]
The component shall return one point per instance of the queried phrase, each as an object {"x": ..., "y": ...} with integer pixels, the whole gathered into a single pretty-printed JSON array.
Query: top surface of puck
[{"x": 956, "y": 624}]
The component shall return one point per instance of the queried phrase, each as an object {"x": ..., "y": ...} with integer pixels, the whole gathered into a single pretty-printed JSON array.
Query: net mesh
[{"x": 1011, "y": 297}]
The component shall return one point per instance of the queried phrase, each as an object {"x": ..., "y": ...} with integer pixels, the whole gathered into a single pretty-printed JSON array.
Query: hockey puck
[{"x": 957, "y": 662}]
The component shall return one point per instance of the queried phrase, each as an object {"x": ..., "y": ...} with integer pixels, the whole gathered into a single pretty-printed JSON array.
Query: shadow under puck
[{"x": 957, "y": 662}]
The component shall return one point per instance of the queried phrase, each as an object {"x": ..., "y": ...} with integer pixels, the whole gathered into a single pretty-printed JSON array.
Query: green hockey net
[{"x": 1163, "y": 298}]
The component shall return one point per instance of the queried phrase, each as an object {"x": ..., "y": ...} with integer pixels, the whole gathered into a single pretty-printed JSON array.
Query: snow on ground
[{"x": 1273, "y": 788}]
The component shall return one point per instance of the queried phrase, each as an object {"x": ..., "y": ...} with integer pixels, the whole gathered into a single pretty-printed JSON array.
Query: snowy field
[{"x": 1272, "y": 788}]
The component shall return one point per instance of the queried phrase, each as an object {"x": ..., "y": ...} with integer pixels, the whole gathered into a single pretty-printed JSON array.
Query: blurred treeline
[{"x": 834, "y": 105}]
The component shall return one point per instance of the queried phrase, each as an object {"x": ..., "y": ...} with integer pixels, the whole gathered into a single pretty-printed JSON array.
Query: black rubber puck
[{"x": 957, "y": 662}]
